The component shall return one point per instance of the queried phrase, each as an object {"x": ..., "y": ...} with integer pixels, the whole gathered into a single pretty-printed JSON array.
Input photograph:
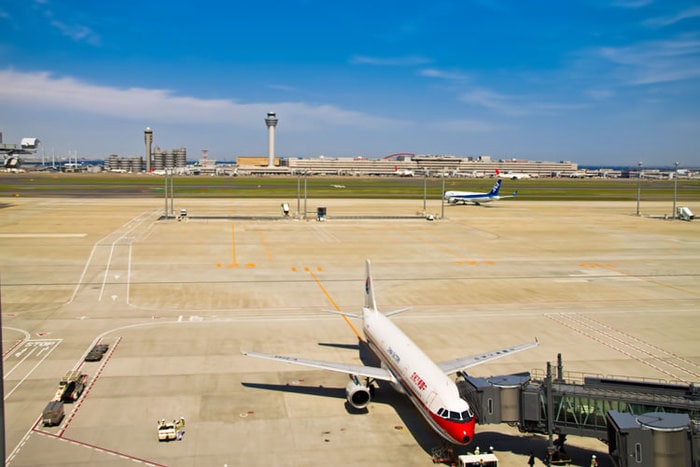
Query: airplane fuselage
[
  {"x": 433, "y": 393},
  {"x": 465, "y": 197}
]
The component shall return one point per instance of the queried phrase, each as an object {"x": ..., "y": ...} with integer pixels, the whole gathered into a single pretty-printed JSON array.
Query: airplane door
[{"x": 430, "y": 398}]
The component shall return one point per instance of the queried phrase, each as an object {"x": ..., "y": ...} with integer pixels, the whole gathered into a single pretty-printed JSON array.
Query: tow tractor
[{"x": 71, "y": 386}]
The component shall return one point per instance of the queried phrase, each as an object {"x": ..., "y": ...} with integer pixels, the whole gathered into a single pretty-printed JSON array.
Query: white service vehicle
[
  {"x": 168, "y": 431},
  {"x": 485, "y": 460},
  {"x": 685, "y": 214}
]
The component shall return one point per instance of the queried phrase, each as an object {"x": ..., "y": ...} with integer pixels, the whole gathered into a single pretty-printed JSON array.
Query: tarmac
[{"x": 177, "y": 301}]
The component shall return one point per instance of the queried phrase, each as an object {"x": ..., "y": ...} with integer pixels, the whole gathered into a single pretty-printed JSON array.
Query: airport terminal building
[{"x": 406, "y": 165}]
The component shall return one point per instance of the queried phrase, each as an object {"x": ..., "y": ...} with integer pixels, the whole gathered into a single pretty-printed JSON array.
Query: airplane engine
[{"x": 358, "y": 394}]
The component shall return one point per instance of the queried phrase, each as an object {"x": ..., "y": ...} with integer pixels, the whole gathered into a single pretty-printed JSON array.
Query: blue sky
[{"x": 600, "y": 82}]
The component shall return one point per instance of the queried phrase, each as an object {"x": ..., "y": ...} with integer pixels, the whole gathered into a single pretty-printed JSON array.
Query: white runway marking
[{"x": 43, "y": 235}]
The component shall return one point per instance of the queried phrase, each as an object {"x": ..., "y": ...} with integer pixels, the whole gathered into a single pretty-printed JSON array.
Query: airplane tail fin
[
  {"x": 370, "y": 302},
  {"x": 496, "y": 188}
]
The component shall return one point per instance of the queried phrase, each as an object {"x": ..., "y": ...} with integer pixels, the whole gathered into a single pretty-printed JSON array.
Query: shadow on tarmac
[{"x": 422, "y": 433}]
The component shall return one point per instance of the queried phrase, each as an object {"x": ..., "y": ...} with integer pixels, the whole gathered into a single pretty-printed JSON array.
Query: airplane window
[{"x": 456, "y": 416}]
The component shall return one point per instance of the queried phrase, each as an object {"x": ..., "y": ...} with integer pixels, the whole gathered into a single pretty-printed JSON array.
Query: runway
[{"x": 177, "y": 301}]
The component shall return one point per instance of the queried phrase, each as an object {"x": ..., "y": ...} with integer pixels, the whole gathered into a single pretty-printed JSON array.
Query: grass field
[{"x": 127, "y": 185}]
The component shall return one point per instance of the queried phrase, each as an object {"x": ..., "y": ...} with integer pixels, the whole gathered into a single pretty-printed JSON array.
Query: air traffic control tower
[
  {"x": 271, "y": 122},
  {"x": 148, "y": 139}
]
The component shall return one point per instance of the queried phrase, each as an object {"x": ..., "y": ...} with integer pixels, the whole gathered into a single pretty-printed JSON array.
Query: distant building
[
  {"x": 162, "y": 160},
  {"x": 256, "y": 161},
  {"x": 432, "y": 165}
]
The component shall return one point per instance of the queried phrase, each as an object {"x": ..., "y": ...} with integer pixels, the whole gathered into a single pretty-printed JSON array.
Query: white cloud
[
  {"x": 632, "y": 3},
  {"x": 491, "y": 100},
  {"x": 442, "y": 74},
  {"x": 466, "y": 126},
  {"x": 516, "y": 106},
  {"x": 77, "y": 32},
  {"x": 600, "y": 94},
  {"x": 70, "y": 29},
  {"x": 283, "y": 88},
  {"x": 655, "y": 61},
  {"x": 664, "y": 21},
  {"x": 411, "y": 60},
  {"x": 43, "y": 90}
]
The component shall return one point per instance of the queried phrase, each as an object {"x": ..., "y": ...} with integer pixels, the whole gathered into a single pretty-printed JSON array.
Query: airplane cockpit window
[{"x": 456, "y": 416}]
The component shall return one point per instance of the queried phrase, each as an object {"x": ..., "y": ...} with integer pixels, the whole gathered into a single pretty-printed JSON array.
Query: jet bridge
[{"x": 645, "y": 423}]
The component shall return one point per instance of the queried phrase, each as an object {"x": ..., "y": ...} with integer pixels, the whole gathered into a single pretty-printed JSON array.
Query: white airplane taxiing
[
  {"x": 408, "y": 369},
  {"x": 464, "y": 197}
]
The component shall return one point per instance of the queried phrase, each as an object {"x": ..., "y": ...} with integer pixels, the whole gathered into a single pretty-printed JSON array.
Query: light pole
[
  {"x": 2, "y": 394},
  {"x": 306, "y": 176},
  {"x": 442, "y": 197},
  {"x": 172, "y": 192},
  {"x": 639, "y": 184},
  {"x": 165, "y": 190},
  {"x": 298, "y": 195},
  {"x": 425, "y": 189},
  {"x": 675, "y": 187}
]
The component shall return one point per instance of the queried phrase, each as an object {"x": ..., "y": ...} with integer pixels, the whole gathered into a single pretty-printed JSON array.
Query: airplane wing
[
  {"x": 458, "y": 364},
  {"x": 358, "y": 370}
]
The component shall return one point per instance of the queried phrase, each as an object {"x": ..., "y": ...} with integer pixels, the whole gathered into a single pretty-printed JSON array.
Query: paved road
[{"x": 177, "y": 302}]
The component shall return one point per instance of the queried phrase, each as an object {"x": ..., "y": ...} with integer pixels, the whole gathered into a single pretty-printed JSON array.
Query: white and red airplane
[{"x": 409, "y": 370}]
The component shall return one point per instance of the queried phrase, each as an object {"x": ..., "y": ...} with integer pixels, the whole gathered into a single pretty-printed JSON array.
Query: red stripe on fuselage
[{"x": 455, "y": 432}]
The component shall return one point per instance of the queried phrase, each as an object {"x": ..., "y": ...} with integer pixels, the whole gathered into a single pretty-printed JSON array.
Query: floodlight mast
[
  {"x": 675, "y": 187},
  {"x": 639, "y": 184}
]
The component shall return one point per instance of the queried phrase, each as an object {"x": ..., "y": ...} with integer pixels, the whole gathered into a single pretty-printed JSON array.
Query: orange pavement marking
[{"x": 330, "y": 299}]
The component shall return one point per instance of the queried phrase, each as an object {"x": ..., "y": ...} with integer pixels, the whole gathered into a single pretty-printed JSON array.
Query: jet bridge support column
[{"x": 550, "y": 412}]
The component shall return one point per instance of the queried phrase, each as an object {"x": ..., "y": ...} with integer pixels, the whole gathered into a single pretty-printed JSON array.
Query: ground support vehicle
[
  {"x": 71, "y": 386},
  {"x": 53, "y": 413},
  {"x": 168, "y": 431},
  {"x": 96, "y": 353},
  {"x": 477, "y": 460}
]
